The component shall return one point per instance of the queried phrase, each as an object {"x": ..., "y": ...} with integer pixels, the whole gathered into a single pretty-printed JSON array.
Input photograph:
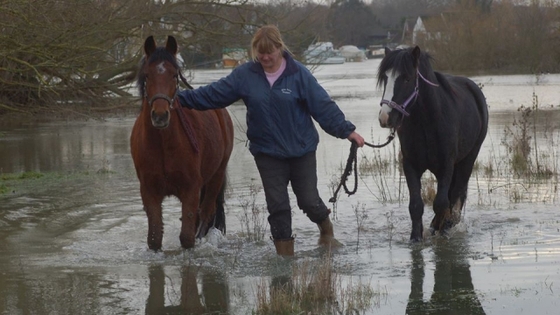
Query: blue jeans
[{"x": 301, "y": 172}]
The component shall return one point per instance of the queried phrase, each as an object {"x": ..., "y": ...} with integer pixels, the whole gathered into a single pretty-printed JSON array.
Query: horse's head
[
  {"x": 398, "y": 75},
  {"x": 158, "y": 79}
]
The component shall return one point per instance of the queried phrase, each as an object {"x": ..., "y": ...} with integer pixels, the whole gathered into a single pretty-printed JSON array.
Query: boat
[
  {"x": 322, "y": 53},
  {"x": 352, "y": 53}
]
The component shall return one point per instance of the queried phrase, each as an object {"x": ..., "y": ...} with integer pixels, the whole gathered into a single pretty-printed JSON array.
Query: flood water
[{"x": 73, "y": 241}]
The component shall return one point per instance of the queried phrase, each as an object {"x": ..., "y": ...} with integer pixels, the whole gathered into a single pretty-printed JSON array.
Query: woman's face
[{"x": 270, "y": 61}]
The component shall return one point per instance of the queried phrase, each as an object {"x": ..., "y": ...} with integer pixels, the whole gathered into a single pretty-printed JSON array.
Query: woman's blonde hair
[{"x": 266, "y": 39}]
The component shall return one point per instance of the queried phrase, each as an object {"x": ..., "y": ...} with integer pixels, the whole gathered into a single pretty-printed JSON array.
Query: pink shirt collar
[{"x": 272, "y": 77}]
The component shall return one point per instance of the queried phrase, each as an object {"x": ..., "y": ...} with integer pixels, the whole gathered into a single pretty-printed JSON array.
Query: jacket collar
[{"x": 291, "y": 66}]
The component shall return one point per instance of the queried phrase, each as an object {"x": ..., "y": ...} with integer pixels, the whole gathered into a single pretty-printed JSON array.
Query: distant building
[{"x": 233, "y": 57}]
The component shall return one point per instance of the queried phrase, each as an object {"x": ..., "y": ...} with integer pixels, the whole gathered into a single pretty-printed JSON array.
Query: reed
[
  {"x": 315, "y": 288},
  {"x": 253, "y": 215}
]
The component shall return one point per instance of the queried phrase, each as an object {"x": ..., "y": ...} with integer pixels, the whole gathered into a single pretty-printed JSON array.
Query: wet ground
[{"x": 73, "y": 235}]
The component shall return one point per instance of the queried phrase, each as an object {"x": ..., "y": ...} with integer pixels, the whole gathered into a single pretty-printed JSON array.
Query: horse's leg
[
  {"x": 190, "y": 199},
  {"x": 442, "y": 218},
  {"x": 416, "y": 205},
  {"x": 208, "y": 204},
  {"x": 460, "y": 183},
  {"x": 152, "y": 206}
]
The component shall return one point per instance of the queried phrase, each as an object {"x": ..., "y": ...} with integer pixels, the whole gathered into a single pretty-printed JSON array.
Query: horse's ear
[
  {"x": 387, "y": 50},
  {"x": 416, "y": 56},
  {"x": 149, "y": 45},
  {"x": 171, "y": 45}
]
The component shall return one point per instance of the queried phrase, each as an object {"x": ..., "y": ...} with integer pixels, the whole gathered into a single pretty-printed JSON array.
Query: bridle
[
  {"x": 187, "y": 128},
  {"x": 158, "y": 96},
  {"x": 161, "y": 96},
  {"x": 409, "y": 100}
]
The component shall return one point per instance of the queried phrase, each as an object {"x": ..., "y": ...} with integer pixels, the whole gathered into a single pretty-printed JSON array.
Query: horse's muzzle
[
  {"x": 384, "y": 117},
  {"x": 160, "y": 120}
]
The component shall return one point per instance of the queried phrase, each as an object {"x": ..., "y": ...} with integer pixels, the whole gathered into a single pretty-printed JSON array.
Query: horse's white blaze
[
  {"x": 387, "y": 95},
  {"x": 161, "y": 68}
]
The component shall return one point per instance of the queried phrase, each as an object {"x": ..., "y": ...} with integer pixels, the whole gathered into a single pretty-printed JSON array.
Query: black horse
[{"x": 441, "y": 121}]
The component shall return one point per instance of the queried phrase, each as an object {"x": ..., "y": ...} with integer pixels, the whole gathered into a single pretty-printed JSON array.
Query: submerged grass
[
  {"x": 21, "y": 176},
  {"x": 315, "y": 288},
  {"x": 25, "y": 181},
  {"x": 253, "y": 215},
  {"x": 8, "y": 182}
]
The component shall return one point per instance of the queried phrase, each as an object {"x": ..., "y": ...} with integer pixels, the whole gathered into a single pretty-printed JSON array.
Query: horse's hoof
[
  {"x": 447, "y": 224},
  {"x": 154, "y": 243},
  {"x": 416, "y": 235},
  {"x": 445, "y": 234},
  {"x": 155, "y": 247},
  {"x": 186, "y": 242},
  {"x": 414, "y": 240}
]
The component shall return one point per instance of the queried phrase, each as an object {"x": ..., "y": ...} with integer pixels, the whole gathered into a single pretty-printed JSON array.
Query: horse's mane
[
  {"x": 401, "y": 61},
  {"x": 160, "y": 54}
]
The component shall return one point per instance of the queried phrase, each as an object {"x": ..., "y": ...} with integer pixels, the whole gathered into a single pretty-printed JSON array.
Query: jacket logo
[{"x": 286, "y": 91}]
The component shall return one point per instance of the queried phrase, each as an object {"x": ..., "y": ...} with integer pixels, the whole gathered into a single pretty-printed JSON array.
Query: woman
[{"x": 282, "y": 97}]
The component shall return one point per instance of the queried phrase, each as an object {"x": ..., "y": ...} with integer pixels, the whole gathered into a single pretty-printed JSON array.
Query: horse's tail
[{"x": 220, "y": 218}]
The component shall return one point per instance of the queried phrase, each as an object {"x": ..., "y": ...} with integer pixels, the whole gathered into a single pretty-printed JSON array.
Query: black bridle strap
[
  {"x": 162, "y": 96},
  {"x": 170, "y": 100}
]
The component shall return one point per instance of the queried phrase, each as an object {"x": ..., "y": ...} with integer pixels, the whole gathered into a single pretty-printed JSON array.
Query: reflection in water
[
  {"x": 54, "y": 147},
  {"x": 453, "y": 291},
  {"x": 214, "y": 298}
]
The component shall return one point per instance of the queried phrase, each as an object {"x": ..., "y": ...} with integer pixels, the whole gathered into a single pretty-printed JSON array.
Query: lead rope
[
  {"x": 186, "y": 126},
  {"x": 352, "y": 163}
]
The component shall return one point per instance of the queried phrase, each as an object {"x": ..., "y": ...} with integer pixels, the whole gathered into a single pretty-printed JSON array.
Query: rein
[
  {"x": 187, "y": 127},
  {"x": 352, "y": 163},
  {"x": 413, "y": 96}
]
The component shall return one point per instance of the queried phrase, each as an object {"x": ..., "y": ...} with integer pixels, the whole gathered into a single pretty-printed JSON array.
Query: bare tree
[
  {"x": 350, "y": 23},
  {"x": 83, "y": 54},
  {"x": 507, "y": 38}
]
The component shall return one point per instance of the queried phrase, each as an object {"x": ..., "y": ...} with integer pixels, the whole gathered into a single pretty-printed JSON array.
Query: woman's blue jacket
[{"x": 279, "y": 118}]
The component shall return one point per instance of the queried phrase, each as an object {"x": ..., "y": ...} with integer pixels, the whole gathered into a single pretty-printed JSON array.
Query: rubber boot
[
  {"x": 284, "y": 247},
  {"x": 327, "y": 234}
]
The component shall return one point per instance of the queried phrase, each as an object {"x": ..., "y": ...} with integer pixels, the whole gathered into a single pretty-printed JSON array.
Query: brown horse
[{"x": 178, "y": 151}]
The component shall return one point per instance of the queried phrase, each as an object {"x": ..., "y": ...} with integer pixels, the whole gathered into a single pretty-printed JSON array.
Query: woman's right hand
[{"x": 355, "y": 137}]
